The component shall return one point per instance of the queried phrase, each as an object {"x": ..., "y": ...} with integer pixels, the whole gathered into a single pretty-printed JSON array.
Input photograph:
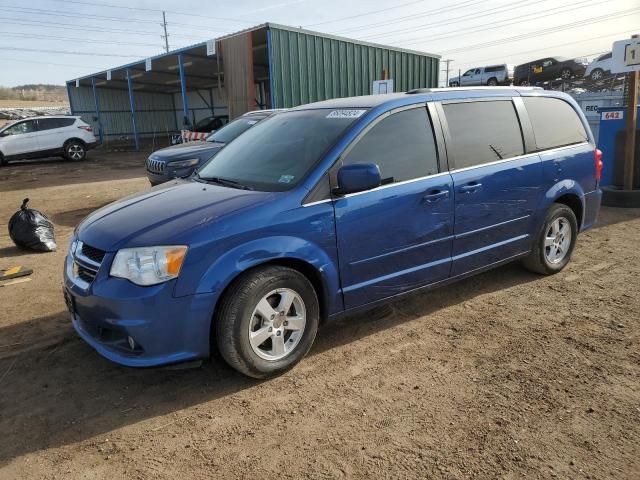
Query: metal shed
[{"x": 268, "y": 66}]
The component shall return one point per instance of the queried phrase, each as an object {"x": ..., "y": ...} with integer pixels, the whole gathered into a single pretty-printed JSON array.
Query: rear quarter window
[
  {"x": 498, "y": 68},
  {"x": 555, "y": 123}
]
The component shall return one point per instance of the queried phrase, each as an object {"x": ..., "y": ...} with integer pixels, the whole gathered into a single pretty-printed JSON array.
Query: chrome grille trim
[{"x": 156, "y": 166}]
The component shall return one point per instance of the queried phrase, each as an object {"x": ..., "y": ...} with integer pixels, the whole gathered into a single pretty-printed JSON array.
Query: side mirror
[{"x": 357, "y": 178}]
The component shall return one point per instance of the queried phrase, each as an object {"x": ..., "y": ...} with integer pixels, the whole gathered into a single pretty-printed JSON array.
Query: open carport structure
[{"x": 268, "y": 66}]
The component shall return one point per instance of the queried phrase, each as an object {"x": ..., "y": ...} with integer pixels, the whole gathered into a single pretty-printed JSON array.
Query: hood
[
  {"x": 189, "y": 149},
  {"x": 164, "y": 215}
]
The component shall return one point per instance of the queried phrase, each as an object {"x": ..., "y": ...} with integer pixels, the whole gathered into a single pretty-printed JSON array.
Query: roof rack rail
[{"x": 449, "y": 89}]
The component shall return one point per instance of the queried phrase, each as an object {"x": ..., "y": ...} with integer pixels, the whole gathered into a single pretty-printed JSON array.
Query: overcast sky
[{"x": 34, "y": 34}]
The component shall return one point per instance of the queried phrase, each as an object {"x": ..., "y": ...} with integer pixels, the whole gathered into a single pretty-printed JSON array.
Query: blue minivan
[{"x": 327, "y": 209}]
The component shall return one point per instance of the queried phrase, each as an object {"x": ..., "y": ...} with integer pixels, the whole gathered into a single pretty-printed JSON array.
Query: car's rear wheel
[
  {"x": 492, "y": 82},
  {"x": 597, "y": 74},
  {"x": 524, "y": 83},
  {"x": 267, "y": 321},
  {"x": 3, "y": 161},
  {"x": 555, "y": 242},
  {"x": 566, "y": 73},
  {"x": 75, "y": 151}
]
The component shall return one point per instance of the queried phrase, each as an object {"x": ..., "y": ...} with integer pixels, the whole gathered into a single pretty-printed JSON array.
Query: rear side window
[
  {"x": 555, "y": 122},
  {"x": 51, "y": 123},
  {"x": 402, "y": 145},
  {"x": 483, "y": 132}
]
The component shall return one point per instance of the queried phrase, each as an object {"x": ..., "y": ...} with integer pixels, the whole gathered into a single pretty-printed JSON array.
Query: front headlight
[
  {"x": 184, "y": 163},
  {"x": 148, "y": 265}
]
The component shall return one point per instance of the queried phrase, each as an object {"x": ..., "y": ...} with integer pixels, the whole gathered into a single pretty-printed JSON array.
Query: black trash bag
[{"x": 32, "y": 229}]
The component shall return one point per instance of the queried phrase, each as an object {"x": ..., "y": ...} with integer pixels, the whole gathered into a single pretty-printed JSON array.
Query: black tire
[
  {"x": 492, "y": 82},
  {"x": 237, "y": 316},
  {"x": 454, "y": 84},
  {"x": 597, "y": 75},
  {"x": 566, "y": 73},
  {"x": 3, "y": 162},
  {"x": 524, "y": 83},
  {"x": 538, "y": 260},
  {"x": 75, "y": 151}
]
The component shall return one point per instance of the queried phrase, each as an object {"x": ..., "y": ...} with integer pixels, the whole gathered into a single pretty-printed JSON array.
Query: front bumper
[{"x": 165, "y": 329}]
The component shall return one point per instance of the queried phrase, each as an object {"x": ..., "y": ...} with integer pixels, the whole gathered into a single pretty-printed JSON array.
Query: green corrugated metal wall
[{"x": 308, "y": 68}]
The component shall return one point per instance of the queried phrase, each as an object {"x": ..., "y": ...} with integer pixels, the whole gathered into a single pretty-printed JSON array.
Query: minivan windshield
[
  {"x": 278, "y": 152},
  {"x": 231, "y": 130}
]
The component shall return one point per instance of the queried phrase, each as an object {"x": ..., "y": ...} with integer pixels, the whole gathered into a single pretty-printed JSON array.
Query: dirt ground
[{"x": 504, "y": 375}]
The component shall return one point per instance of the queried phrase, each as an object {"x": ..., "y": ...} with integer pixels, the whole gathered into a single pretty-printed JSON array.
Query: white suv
[{"x": 39, "y": 137}]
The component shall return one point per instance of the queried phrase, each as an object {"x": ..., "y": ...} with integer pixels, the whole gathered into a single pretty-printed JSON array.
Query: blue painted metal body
[
  {"x": 613, "y": 121},
  {"x": 97, "y": 105},
  {"x": 183, "y": 89},
  {"x": 132, "y": 104},
  {"x": 365, "y": 248}
]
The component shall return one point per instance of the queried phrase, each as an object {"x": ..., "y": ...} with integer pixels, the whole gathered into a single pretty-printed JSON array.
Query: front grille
[
  {"x": 93, "y": 253},
  {"x": 85, "y": 274},
  {"x": 87, "y": 262},
  {"x": 156, "y": 166}
]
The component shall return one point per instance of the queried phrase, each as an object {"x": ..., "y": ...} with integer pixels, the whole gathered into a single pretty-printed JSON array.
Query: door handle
[
  {"x": 435, "y": 195},
  {"x": 470, "y": 187}
]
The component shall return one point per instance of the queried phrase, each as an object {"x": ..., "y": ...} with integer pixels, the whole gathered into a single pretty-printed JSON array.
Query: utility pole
[
  {"x": 448, "y": 61},
  {"x": 166, "y": 35}
]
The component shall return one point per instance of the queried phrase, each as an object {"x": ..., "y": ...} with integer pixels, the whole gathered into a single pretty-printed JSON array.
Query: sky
[{"x": 52, "y": 41}]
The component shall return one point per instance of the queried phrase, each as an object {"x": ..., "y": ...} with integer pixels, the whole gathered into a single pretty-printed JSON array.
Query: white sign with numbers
[
  {"x": 614, "y": 115},
  {"x": 211, "y": 47},
  {"x": 626, "y": 56},
  {"x": 147, "y": 65}
]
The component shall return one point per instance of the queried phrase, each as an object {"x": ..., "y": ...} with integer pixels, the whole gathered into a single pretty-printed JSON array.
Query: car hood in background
[
  {"x": 164, "y": 215},
  {"x": 184, "y": 150}
]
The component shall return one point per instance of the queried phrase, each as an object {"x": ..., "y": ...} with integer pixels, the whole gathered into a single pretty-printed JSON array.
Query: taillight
[
  {"x": 598, "y": 158},
  {"x": 86, "y": 127}
]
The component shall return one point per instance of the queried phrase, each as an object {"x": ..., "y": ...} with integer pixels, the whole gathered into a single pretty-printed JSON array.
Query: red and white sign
[
  {"x": 188, "y": 136},
  {"x": 614, "y": 115}
]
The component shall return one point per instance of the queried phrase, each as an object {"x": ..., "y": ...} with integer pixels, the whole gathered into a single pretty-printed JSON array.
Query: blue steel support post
[
  {"x": 132, "y": 104},
  {"x": 183, "y": 90},
  {"x": 69, "y": 97},
  {"x": 271, "y": 89},
  {"x": 97, "y": 104}
]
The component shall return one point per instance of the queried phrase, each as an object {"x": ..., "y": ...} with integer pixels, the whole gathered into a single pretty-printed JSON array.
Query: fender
[
  {"x": 563, "y": 187},
  {"x": 256, "y": 252}
]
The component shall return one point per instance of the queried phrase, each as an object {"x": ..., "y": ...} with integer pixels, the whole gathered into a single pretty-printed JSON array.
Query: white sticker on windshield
[
  {"x": 286, "y": 178},
  {"x": 346, "y": 113},
  {"x": 252, "y": 122}
]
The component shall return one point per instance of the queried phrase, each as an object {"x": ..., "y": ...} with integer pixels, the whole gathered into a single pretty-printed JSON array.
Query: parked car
[
  {"x": 211, "y": 124},
  {"x": 40, "y": 137},
  {"x": 599, "y": 67},
  {"x": 180, "y": 161},
  {"x": 327, "y": 209},
  {"x": 547, "y": 69},
  {"x": 492, "y": 75}
]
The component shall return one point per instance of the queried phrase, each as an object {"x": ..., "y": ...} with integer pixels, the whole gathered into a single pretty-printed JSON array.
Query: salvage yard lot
[{"x": 502, "y": 375}]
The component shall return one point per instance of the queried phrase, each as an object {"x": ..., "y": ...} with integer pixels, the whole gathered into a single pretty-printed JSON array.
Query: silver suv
[{"x": 492, "y": 75}]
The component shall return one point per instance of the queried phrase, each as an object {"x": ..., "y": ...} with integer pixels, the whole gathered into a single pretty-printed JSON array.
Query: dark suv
[
  {"x": 547, "y": 69},
  {"x": 179, "y": 161}
]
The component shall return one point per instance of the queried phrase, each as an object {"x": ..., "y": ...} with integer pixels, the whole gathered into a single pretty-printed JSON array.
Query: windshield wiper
[{"x": 223, "y": 181}]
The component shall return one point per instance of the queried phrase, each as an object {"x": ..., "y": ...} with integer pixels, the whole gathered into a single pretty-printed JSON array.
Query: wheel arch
[
  {"x": 74, "y": 139},
  {"x": 567, "y": 193}
]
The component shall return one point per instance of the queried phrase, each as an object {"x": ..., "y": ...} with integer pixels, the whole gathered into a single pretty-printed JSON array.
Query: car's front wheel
[
  {"x": 3, "y": 161},
  {"x": 566, "y": 73},
  {"x": 267, "y": 321},
  {"x": 454, "y": 84},
  {"x": 75, "y": 151},
  {"x": 555, "y": 242}
]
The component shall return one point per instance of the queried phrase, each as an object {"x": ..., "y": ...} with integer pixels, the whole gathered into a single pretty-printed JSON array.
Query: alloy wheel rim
[
  {"x": 277, "y": 324},
  {"x": 557, "y": 240},
  {"x": 596, "y": 75},
  {"x": 76, "y": 152}
]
